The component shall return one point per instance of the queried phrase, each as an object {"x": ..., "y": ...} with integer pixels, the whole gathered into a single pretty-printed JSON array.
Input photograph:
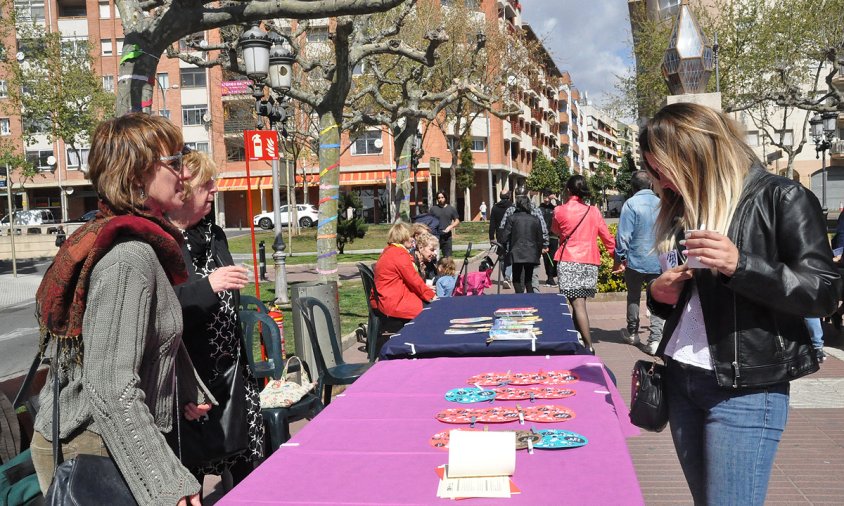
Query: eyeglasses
[{"x": 175, "y": 161}]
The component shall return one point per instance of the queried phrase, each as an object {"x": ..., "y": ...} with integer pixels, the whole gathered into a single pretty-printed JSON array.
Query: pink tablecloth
[{"x": 371, "y": 445}]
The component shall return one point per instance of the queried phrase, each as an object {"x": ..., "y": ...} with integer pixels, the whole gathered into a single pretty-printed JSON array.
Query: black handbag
[
  {"x": 85, "y": 479},
  {"x": 648, "y": 405},
  {"x": 224, "y": 431}
]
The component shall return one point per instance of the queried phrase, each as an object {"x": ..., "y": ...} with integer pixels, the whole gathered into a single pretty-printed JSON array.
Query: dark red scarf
[{"x": 63, "y": 293}]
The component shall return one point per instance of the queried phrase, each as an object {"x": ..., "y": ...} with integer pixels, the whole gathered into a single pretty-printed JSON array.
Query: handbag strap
[
  {"x": 58, "y": 458},
  {"x": 588, "y": 208},
  {"x": 303, "y": 374}
]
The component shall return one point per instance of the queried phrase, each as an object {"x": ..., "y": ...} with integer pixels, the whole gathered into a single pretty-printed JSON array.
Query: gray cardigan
[{"x": 132, "y": 331}]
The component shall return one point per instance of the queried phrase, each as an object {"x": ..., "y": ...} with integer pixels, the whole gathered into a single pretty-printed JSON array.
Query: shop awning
[
  {"x": 367, "y": 177},
  {"x": 239, "y": 183}
]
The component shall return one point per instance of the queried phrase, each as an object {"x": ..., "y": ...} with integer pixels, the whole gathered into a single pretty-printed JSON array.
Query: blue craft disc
[
  {"x": 469, "y": 395},
  {"x": 554, "y": 439}
]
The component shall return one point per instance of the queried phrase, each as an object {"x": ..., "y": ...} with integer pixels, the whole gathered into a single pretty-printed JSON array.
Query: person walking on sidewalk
[
  {"x": 523, "y": 236},
  {"x": 483, "y": 210},
  {"x": 495, "y": 218},
  {"x": 635, "y": 255},
  {"x": 448, "y": 218},
  {"x": 579, "y": 226},
  {"x": 758, "y": 261},
  {"x": 549, "y": 202},
  {"x": 522, "y": 191}
]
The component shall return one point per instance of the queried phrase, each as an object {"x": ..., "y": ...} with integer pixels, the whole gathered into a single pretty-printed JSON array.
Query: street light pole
[{"x": 823, "y": 132}]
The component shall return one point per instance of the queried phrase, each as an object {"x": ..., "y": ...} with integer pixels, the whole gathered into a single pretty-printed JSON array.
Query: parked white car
[{"x": 307, "y": 214}]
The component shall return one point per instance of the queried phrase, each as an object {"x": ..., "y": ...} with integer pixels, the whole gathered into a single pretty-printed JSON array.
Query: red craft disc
[
  {"x": 552, "y": 393},
  {"x": 457, "y": 415},
  {"x": 511, "y": 393},
  {"x": 528, "y": 378},
  {"x": 490, "y": 379},
  {"x": 497, "y": 415},
  {"x": 548, "y": 413},
  {"x": 440, "y": 439},
  {"x": 560, "y": 377}
]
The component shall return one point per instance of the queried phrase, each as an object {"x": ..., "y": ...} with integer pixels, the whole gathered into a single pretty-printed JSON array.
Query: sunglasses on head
[{"x": 175, "y": 161}]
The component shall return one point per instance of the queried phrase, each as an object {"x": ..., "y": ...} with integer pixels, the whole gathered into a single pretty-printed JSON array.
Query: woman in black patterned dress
[{"x": 210, "y": 301}]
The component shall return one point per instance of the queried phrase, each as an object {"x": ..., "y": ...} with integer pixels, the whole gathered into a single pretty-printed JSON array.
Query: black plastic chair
[
  {"x": 250, "y": 302},
  {"x": 373, "y": 326},
  {"x": 341, "y": 374},
  {"x": 277, "y": 420}
]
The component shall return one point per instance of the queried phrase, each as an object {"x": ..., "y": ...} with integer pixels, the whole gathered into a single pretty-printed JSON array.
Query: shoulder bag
[
  {"x": 282, "y": 393},
  {"x": 648, "y": 406},
  {"x": 85, "y": 479},
  {"x": 224, "y": 430}
]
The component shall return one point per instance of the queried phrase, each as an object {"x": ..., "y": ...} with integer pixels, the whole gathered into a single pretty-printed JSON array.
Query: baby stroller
[{"x": 474, "y": 283}]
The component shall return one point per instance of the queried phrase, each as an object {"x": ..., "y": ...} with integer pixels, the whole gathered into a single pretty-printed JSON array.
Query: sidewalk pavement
[{"x": 810, "y": 459}]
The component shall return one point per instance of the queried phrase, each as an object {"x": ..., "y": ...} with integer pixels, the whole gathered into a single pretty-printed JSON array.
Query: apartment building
[
  {"x": 213, "y": 108},
  {"x": 602, "y": 142}
]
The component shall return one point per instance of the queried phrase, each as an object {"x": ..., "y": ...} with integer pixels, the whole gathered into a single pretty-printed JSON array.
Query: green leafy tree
[
  {"x": 349, "y": 229},
  {"x": 466, "y": 171},
  {"x": 545, "y": 175},
  {"x": 54, "y": 87},
  {"x": 602, "y": 179},
  {"x": 561, "y": 165},
  {"x": 622, "y": 179}
]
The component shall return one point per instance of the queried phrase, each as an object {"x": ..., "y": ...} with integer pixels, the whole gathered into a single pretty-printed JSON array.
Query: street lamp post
[
  {"x": 265, "y": 56},
  {"x": 823, "y": 133}
]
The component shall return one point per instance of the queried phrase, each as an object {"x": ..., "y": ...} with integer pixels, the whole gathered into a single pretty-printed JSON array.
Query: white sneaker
[
  {"x": 651, "y": 347},
  {"x": 629, "y": 337},
  {"x": 506, "y": 284}
]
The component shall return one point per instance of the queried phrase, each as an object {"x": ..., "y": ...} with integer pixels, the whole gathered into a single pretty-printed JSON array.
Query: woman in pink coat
[{"x": 578, "y": 225}]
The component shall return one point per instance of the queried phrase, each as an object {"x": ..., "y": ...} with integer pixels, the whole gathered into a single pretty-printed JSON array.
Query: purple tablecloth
[{"x": 371, "y": 444}]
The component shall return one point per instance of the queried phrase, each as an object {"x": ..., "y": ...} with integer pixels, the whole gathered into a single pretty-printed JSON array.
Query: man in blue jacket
[{"x": 636, "y": 256}]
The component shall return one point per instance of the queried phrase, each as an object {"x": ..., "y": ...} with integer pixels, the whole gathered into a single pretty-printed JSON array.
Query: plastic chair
[
  {"x": 277, "y": 420},
  {"x": 341, "y": 374},
  {"x": 247, "y": 300},
  {"x": 373, "y": 326}
]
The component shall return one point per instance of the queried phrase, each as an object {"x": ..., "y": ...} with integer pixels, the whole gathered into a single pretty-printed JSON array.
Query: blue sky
[{"x": 588, "y": 38}]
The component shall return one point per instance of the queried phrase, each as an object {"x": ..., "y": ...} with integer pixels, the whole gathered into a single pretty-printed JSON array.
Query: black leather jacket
[{"x": 754, "y": 319}]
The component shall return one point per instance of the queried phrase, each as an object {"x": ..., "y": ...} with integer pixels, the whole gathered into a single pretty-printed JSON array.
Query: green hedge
[{"x": 607, "y": 281}]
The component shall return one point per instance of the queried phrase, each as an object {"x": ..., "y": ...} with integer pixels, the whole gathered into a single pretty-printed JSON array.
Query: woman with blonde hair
[
  {"x": 399, "y": 290},
  {"x": 108, "y": 305},
  {"x": 210, "y": 301},
  {"x": 758, "y": 261}
]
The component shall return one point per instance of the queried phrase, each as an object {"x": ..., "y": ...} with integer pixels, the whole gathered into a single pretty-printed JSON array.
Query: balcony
[{"x": 836, "y": 150}]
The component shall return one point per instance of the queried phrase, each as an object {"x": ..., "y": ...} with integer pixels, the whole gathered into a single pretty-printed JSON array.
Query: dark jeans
[
  {"x": 445, "y": 245},
  {"x": 523, "y": 277},
  {"x": 548, "y": 258}
]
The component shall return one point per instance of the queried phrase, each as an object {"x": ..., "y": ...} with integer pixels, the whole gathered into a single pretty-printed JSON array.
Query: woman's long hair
[{"x": 703, "y": 153}]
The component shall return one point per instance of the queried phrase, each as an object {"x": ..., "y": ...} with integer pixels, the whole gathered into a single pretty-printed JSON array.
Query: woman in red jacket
[
  {"x": 579, "y": 225},
  {"x": 400, "y": 290}
]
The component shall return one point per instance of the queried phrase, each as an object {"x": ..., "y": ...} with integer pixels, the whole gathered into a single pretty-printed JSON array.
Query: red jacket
[
  {"x": 582, "y": 246},
  {"x": 401, "y": 290}
]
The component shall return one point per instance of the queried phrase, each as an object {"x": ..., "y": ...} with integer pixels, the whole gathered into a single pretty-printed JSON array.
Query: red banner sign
[{"x": 261, "y": 144}]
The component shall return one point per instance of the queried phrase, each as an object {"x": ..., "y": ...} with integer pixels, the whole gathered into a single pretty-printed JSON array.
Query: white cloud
[{"x": 589, "y": 39}]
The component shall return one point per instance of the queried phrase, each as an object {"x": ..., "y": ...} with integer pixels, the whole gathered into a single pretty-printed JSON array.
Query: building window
[
  {"x": 163, "y": 79},
  {"x": 120, "y": 46},
  {"x": 786, "y": 136},
  {"x": 198, "y": 146},
  {"x": 318, "y": 35},
  {"x": 192, "y": 42},
  {"x": 5, "y": 126},
  {"x": 753, "y": 138},
  {"x": 192, "y": 114},
  {"x": 72, "y": 10},
  {"x": 4, "y": 90},
  {"x": 74, "y": 46},
  {"x": 73, "y": 156},
  {"x": 105, "y": 10},
  {"x": 36, "y": 125},
  {"x": 107, "y": 49},
  {"x": 39, "y": 159},
  {"x": 364, "y": 144},
  {"x": 108, "y": 83},
  {"x": 235, "y": 151},
  {"x": 478, "y": 144},
  {"x": 193, "y": 77},
  {"x": 164, "y": 112},
  {"x": 30, "y": 10}
]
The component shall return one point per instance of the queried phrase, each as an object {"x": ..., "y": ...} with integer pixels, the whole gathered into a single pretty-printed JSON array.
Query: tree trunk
[
  {"x": 134, "y": 93},
  {"x": 403, "y": 139},
  {"x": 329, "y": 193}
]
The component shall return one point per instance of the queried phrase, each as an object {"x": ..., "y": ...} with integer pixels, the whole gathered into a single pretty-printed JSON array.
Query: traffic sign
[{"x": 261, "y": 144}]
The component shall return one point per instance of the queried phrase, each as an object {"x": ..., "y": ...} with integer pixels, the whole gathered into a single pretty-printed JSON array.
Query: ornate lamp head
[{"x": 688, "y": 61}]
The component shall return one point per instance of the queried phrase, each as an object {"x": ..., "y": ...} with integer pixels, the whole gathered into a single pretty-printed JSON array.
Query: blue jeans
[
  {"x": 815, "y": 331},
  {"x": 725, "y": 439}
]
